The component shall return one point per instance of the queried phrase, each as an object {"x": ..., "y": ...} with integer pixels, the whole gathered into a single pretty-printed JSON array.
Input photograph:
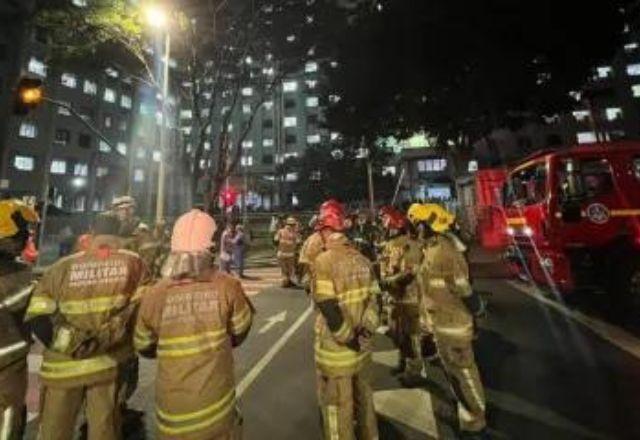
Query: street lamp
[{"x": 158, "y": 19}]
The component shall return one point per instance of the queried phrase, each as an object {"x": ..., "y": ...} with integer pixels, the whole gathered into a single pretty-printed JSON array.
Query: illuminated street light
[{"x": 156, "y": 16}]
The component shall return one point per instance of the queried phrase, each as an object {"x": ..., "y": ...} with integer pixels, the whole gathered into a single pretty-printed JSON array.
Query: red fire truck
[{"x": 574, "y": 218}]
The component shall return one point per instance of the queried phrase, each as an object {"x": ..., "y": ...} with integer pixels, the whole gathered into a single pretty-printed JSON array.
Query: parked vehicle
[{"x": 574, "y": 218}]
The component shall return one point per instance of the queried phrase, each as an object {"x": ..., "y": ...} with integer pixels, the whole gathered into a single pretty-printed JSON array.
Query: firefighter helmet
[
  {"x": 193, "y": 232},
  {"x": 123, "y": 202},
  {"x": 394, "y": 219},
  {"x": 11, "y": 211},
  {"x": 331, "y": 216},
  {"x": 438, "y": 218},
  {"x": 291, "y": 221}
]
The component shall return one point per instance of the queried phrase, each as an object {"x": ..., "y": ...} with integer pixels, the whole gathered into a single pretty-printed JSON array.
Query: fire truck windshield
[
  {"x": 587, "y": 178},
  {"x": 526, "y": 187}
]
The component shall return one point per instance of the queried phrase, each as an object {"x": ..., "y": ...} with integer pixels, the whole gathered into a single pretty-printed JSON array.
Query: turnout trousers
[
  {"x": 347, "y": 408},
  {"x": 61, "y": 406},
  {"x": 407, "y": 337},
  {"x": 458, "y": 361},
  {"x": 13, "y": 387},
  {"x": 288, "y": 268}
]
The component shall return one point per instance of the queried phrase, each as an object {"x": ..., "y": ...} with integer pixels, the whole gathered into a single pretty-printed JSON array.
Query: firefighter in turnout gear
[
  {"x": 15, "y": 289},
  {"x": 446, "y": 310},
  {"x": 399, "y": 264},
  {"x": 314, "y": 245},
  {"x": 190, "y": 321},
  {"x": 82, "y": 311},
  {"x": 344, "y": 294},
  {"x": 287, "y": 240}
]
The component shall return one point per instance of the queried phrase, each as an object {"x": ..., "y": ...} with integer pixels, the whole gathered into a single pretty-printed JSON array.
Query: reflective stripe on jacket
[
  {"x": 344, "y": 275},
  {"x": 84, "y": 292},
  {"x": 190, "y": 325},
  {"x": 15, "y": 289}
]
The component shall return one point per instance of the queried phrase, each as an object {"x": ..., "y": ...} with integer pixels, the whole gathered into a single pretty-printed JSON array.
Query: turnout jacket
[
  {"x": 344, "y": 293},
  {"x": 444, "y": 277},
  {"x": 191, "y": 326},
  {"x": 399, "y": 264},
  {"x": 287, "y": 240},
  {"x": 89, "y": 297}
]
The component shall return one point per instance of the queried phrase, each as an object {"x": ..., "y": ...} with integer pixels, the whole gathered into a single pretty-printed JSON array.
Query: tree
[
  {"x": 460, "y": 69},
  {"x": 224, "y": 49}
]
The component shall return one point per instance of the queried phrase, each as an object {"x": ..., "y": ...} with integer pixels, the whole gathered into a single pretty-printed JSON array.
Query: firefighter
[
  {"x": 344, "y": 294},
  {"x": 401, "y": 258},
  {"x": 314, "y": 245},
  {"x": 15, "y": 289},
  {"x": 446, "y": 310},
  {"x": 124, "y": 208},
  {"x": 190, "y": 321},
  {"x": 364, "y": 236},
  {"x": 82, "y": 311},
  {"x": 287, "y": 240}
]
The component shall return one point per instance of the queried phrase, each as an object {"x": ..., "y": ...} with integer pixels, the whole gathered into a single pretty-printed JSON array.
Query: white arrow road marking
[
  {"x": 412, "y": 408},
  {"x": 610, "y": 333},
  {"x": 272, "y": 321},
  {"x": 252, "y": 375}
]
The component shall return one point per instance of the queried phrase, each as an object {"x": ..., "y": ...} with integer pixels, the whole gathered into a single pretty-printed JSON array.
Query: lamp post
[{"x": 158, "y": 19}]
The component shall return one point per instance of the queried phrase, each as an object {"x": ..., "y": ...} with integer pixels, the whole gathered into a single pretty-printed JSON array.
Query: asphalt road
[{"x": 549, "y": 373}]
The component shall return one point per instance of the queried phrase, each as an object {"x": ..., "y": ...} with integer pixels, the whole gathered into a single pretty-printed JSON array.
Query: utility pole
[
  {"x": 162, "y": 170},
  {"x": 372, "y": 203}
]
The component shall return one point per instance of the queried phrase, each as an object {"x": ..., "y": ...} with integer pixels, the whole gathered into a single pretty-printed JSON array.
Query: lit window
[
  {"x": 63, "y": 110},
  {"x": 633, "y": 69},
  {"x": 81, "y": 170},
  {"x": 80, "y": 3},
  {"x": 268, "y": 105},
  {"x": 157, "y": 156},
  {"x": 138, "y": 175},
  {"x": 431, "y": 165},
  {"x": 335, "y": 136},
  {"x": 588, "y": 137},
  {"x": 316, "y": 175},
  {"x": 207, "y": 146},
  {"x": 312, "y": 101},
  {"x": 38, "y": 67},
  {"x": 311, "y": 67},
  {"x": 291, "y": 177},
  {"x": 604, "y": 71},
  {"x": 141, "y": 154},
  {"x": 246, "y": 161},
  {"x": 630, "y": 47},
  {"x": 247, "y": 91},
  {"x": 122, "y": 148},
  {"x": 24, "y": 163},
  {"x": 290, "y": 155},
  {"x": 58, "y": 167},
  {"x": 334, "y": 99},
  {"x": 389, "y": 171},
  {"x": 614, "y": 113},
  {"x": 290, "y": 86},
  {"x": 635, "y": 89},
  {"x": 69, "y": 80},
  {"x": 104, "y": 147},
  {"x": 581, "y": 115},
  {"x": 111, "y": 72},
  {"x": 186, "y": 114},
  {"x": 28, "y": 130},
  {"x": 313, "y": 139},
  {"x": 102, "y": 171},
  {"x": 290, "y": 121},
  {"x": 246, "y": 109},
  {"x": 269, "y": 71},
  {"x": 311, "y": 83},
  {"x": 267, "y": 143},
  {"x": 90, "y": 88},
  {"x": 126, "y": 102},
  {"x": 225, "y": 110},
  {"x": 109, "y": 95},
  {"x": 247, "y": 144}
]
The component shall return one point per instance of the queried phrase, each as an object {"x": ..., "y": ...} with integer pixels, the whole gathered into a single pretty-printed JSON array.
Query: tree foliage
[{"x": 458, "y": 69}]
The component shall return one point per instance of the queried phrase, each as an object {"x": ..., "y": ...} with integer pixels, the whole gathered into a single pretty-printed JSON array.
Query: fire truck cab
[{"x": 574, "y": 218}]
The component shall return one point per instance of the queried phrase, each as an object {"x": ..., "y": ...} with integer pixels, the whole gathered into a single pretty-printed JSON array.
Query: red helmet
[
  {"x": 395, "y": 219},
  {"x": 331, "y": 216},
  {"x": 385, "y": 210},
  {"x": 332, "y": 203}
]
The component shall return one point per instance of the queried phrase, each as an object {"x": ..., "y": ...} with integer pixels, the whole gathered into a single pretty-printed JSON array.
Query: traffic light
[
  {"x": 229, "y": 197},
  {"x": 29, "y": 95}
]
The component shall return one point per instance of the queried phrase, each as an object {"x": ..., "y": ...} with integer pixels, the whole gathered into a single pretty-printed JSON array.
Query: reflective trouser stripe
[
  {"x": 175, "y": 424},
  {"x": 18, "y": 297},
  {"x": 332, "y": 419},
  {"x": 6, "y": 351},
  {"x": 342, "y": 359},
  {"x": 79, "y": 368},
  {"x": 6, "y": 423}
]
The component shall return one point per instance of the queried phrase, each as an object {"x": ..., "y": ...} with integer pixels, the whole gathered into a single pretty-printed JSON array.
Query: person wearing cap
[
  {"x": 447, "y": 308},
  {"x": 287, "y": 239},
  {"x": 82, "y": 311},
  {"x": 399, "y": 263},
  {"x": 124, "y": 208},
  {"x": 190, "y": 321},
  {"x": 344, "y": 295},
  {"x": 15, "y": 290}
]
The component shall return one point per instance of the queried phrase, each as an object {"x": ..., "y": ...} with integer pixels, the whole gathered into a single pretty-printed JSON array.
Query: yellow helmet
[
  {"x": 8, "y": 208},
  {"x": 435, "y": 215}
]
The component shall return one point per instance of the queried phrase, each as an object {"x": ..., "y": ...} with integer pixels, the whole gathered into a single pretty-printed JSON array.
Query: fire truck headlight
[
  {"x": 510, "y": 231},
  {"x": 527, "y": 231}
]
